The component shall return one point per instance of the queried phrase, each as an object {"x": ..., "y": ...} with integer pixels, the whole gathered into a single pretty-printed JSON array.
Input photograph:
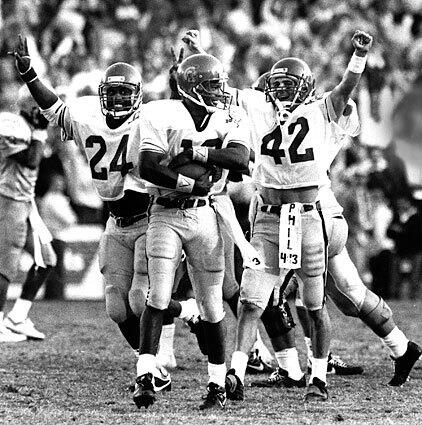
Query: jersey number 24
[{"x": 123, "y": 167}]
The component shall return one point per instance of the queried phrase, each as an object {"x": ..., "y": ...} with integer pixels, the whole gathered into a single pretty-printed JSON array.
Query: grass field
[{"x": 80, "y": 373}]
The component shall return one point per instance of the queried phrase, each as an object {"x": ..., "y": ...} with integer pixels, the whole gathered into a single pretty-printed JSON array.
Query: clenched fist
[
  {"x": 193, "y": 41},
  {"x": 362, "y": 42}
]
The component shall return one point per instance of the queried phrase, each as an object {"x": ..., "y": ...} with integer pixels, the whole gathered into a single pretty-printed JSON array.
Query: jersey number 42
[{"x": 271, "y": 143}]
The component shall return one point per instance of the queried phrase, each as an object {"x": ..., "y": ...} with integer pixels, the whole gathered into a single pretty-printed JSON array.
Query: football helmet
[
  {"x": 290, "y": 83},
  {"x": 201, "y": 79},
  {"x": 120, "y": 90},
  {"x": 30, "y": 110},
  {"x": 261, "y": 83}
]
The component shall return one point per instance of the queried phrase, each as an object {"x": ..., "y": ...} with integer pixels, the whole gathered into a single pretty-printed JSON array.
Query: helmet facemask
[
  {"x": 210, "y": 94},
  {"x": 288, "y": 91},
  {"x": 119, "y": 99}
]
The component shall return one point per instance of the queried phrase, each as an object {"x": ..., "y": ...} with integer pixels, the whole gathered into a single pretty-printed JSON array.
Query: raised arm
[
  {"x": 362, "y": 42},
  {"x": 44, "y": 97},
  {"x": 193, "y": 41}
]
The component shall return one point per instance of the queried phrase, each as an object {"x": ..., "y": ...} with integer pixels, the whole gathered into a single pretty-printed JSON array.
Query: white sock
[
  {"x": 239, "y": 363},
  {"x": 288, "y": 359},
  {"x": 189, "y": 309},
  {"x": 258, "y": 340},
  {"x": 319, "y": 369},
  {"x": 264, "y": 352},
  {"x": 146, "y": 363},
  {"x": 167, "y": 339},
  {"x": 217, "y": 373},
  {"x": 308, "y": 343},
  {"x": 20, "y": 310},
  {"x": 396, "y": 341}
]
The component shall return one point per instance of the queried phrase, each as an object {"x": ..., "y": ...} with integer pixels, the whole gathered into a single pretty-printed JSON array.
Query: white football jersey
[
  {"x": 16, "y": 180},
  {"x": 346, "y": 126},
  {"x": 295, "y": 154},
  {"x": 170, "y": 129},
  {"x": 114, "y": 168}
]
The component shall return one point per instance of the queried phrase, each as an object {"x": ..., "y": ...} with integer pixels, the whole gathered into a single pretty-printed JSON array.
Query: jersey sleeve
[
  {"x": 349, "y": 123},
  {"x": 152, "y": 137},
  {"x": 240, "y": 129},
  {"x": 59, "y": 114}
]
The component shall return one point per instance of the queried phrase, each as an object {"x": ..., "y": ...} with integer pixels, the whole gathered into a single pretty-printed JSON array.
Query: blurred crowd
[{"x": 73, "y": 41}]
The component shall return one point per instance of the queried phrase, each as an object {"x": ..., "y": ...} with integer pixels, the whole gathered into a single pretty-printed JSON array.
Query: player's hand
[
  {"x": 176, "y": 61},
  {"x": 193, "y": 41},
  {"x": 21, "y": 55},
  {"x": 182, "y": 158},
  {"x": 362, "y": 42},
  {"x": 173, "y": 71},
  {"x": 203, "y": 184}
]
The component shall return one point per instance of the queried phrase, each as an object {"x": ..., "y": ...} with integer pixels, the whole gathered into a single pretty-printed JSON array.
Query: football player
[
  {"x": 290, "y": 129},
  {"x": 344, "y": 285},
  {"x": 181, "y": 214},
  {"x": 22, "y": 140},
  {"x": 345, "y": 288},
  {"x": 100, "y": 125}
]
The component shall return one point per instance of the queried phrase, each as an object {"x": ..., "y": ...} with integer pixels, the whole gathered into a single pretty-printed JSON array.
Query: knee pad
[
  {"x": 257, "y": 286},
  {"x": 313, "y": 260},
  {"x": 137, "y": 300},
  {"x": 313, "y": 292},
  {"x": 251, "y": 308},
  {"x": 376, "y": 314},
  {"x": 116, "y": 304},
  {"x": 158, "y": 299},
  {"x": 210, "y": 302},
  {"x": 278, "y": 320}
]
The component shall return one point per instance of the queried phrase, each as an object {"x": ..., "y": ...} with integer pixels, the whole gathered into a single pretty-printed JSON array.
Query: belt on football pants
[
  {"x": 128, "y": 221},
  {"x": 276, "y": 209},
  {"x": 181, "y": 204}
]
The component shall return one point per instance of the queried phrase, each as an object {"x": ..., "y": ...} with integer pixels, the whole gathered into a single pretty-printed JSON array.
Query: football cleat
[
  {"x": 280, "y": 378},
  {"x": 144, "y": 394},
  {"x": 256, "y": 364},
  {"x": 161, "y": 380},
  {"x": 6, "y": 335},
  {"x": 316, "y": 391},
  {"x": 337, "y": 366},
  {"x": 26, "y": 328},
  {"x": 197, "y": 328},
  {"x": 215, "y": 397},
  {"x": 404, "y": 364},
  {"x": 234, "y": 386}
]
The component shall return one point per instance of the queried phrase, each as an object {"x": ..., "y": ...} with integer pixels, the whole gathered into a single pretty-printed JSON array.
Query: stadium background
[{"x": 378, "y": 177}]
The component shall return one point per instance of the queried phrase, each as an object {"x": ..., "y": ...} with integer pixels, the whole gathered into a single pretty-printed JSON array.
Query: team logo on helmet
[
  {"x": 202, "y": 80},
  {"x": 190, "y": 74}
]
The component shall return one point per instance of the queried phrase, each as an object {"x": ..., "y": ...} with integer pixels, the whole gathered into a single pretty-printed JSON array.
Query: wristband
[
  {"x": 200, "y": 154},
  {"x": 29, "y": 76},
  {"x": 184, "y": 184},
  {"x": 357, "y": 64}
]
